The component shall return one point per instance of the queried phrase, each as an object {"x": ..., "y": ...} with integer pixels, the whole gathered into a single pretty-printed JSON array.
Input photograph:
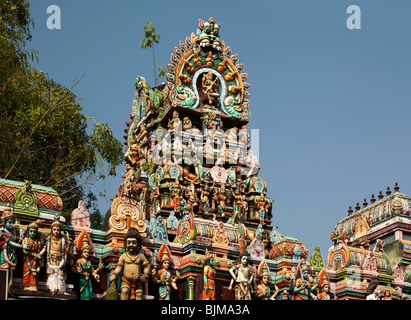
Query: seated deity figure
[{"x": 134, "y": 267}]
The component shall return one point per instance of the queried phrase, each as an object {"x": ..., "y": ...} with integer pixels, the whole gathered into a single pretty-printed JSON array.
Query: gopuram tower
[{"x": 191, "y": 182}]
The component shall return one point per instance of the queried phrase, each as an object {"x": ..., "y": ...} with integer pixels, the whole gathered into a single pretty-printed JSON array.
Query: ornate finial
[
  {"x": 388, "y": 192},
  {"x": 357, "y": 207},
  {"x": 364, "y": 204},
  {"x": 349, "y": 210},
  {"x": 380, "y": 195},
  {"x": 396, "y": 188},
  {"x": 372, "y": 200}
]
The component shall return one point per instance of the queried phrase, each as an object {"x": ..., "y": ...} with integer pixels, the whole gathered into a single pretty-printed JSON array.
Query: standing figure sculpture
[
  {"x": 133, "y": 266},
  {"x": 208, "y": 292},
  {"x": 8, "y": 242},
  {"x": 33, "y": 253},
  {"x": 324, "y": 285},
  {"x": 163, "y": 276},
  {"x": 243, "y": 277},
  {"x": 57, "y": 249},
  {"x": 85, "y": 268}
]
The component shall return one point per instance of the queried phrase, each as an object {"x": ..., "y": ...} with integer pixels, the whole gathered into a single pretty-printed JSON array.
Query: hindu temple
[{"x": 191, "y": 219}]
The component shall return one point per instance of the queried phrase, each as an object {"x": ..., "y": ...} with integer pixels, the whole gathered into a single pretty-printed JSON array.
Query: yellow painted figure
[{"x": 133, "y": 266}]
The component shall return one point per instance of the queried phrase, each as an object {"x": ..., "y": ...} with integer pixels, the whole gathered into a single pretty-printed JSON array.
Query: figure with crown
[
  {"x": 263, "y": 290},
  {"x": 84, "y": 266},
  {"x": 208, "y": 292},
  {"x": 303, "y": 287},
  {"x": 8, "y": 242},
  {"x": 133, "y": 267},
  {"x": 57, "y": 249},
  {"x": 32, "y": 256},
  {"x": 163, "y": 277}
]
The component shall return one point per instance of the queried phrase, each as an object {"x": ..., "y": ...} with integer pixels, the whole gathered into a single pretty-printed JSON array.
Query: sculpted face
[
  {"x": 244, "y": 260},
  {"x": 32, "y": 233},
  {"x": 9, "y": 224},
  {"x": 86, "y": 253},
  {"x": 166, "y": 264},
  {"x": 132, "y": 244},
  {"x": 56, "y": 231}
]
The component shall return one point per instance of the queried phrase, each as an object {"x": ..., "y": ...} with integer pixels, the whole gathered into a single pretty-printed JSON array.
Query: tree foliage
[
  {"x": 150, "y": 38},
  {"x": 45, "y": 135}
]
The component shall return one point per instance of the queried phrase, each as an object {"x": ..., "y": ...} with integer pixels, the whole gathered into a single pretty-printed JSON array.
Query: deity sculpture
[
  {"x": 373, "y": 292},
  {"x": 205, "y": 198},
  {"x": 8, "y": 242},
  {"x": 163, "y": 277},
  {"x": 209, "y": 86},
  {"x": 242, "y": 276},
  {"x": 32, "y": 256},
  {"x": 222, "y": 199},
  {"x": 192, "y": 199},
  {"x": 208, "y": 292},
  {"x": 302, "y": 287},
  {"x": 175, "y": 194},
  {"x": 133, "y": 150},
  {"x": 263, "y": 291},
  {"x": 387, "y": 295},
  {"x": 57, "y": 249},
  {"x": 85, "y": 268},
  {"x": 237, "y": 202},
  {"x": 133, "y": 266},
  {"x": 324, "y": 286},
  {"x": 142, "y": 140},
  {"x": 175, "y": 122}
]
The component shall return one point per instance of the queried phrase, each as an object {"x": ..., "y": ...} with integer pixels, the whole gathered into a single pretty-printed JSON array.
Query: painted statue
[
  {"x": 32, "y": 256},
  {"x": 57, "y": 249},
  {"x": 303, "y": 288},
  {"x": 174, "y": 123},
  {"x": 133, "y": 266},
  {"x": 324, "y": 286},
  {"x": 85, "y": 268},
  {"x": 208, "y": 292},
  {"x": 263, "y": 290},
  {"x": 8, "y": 242},
  {"x": 205, "y": 198},
  {"x": 142, "y": 140},
  {"x": 163, "y": 277},
  {"x": 175, "y": 194},
  {"x": 242, "y": 276},
  {"x": 210, "y": 86}
]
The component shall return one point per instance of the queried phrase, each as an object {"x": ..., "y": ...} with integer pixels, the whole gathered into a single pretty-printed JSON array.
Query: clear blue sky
[{"x": 332, "y": 104}]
